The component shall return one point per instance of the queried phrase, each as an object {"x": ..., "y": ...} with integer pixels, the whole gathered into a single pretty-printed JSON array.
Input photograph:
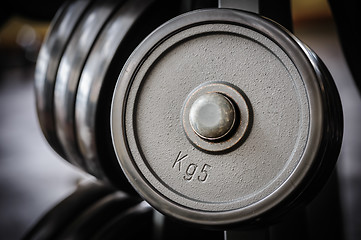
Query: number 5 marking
[{"x": 204, "y": 174}]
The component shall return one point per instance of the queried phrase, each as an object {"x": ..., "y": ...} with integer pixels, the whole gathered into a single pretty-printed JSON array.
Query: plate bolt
[{"x": 212, "y": 116}]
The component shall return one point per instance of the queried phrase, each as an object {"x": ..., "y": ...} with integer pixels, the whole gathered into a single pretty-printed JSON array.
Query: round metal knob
[{"x": 212, "y": 116}]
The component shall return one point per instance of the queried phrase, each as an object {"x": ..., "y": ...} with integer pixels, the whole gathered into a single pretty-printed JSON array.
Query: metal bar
[
  {"x": 245, "y": 5},
  {"x": 277, "y": 10}
]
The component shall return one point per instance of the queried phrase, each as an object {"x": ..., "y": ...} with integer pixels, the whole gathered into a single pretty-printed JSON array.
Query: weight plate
[
  {"x": 133, "y": 223},
  {"x": 124, "y": 31},
  {"x": 295, "y": 129},
  {"x": 99, "y": 214},
  {"x": 58, "y": 218},
  {"x": 110, "y": 40},
  {"x": 69, "y": 71},
  {"x": 47, "y": 64}
]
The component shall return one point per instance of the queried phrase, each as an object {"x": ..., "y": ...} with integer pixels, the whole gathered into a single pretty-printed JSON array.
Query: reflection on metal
[
  {"x": 61, "y": 29},
  {"x": 95, "y": 79},
  {"x": 69, "y": 72},
  {"x": 212, "y": 116},
  {"x": 74, "y": 104},
  {"x": 238, "y": 128}
]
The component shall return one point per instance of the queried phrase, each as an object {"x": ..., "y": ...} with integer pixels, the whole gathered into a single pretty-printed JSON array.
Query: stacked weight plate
[
  {"x": 95, "y": 211},
  {"x": 78, "y": 65},
  {"x": 50, "y": 54}
]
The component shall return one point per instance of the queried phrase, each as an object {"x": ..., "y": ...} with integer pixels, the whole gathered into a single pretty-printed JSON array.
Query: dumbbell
[
  {"x": 219, "y": 117},
  {"x": 222, "y": 118}
]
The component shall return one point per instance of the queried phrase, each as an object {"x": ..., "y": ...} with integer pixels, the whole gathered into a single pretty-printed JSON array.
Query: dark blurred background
[{"x": 33, "y": 178}]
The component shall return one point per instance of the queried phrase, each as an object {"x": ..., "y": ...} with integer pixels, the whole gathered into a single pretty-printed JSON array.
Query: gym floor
[{"x": 33, "y": 178}]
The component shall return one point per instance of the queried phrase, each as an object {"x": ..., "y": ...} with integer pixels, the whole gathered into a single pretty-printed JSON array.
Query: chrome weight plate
[
  {"x": 286, "y": 112},
  {"x": 69, "y": 72},
  {"x": 123, "y": 32},
  {"x": 47, "y": 64}
]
